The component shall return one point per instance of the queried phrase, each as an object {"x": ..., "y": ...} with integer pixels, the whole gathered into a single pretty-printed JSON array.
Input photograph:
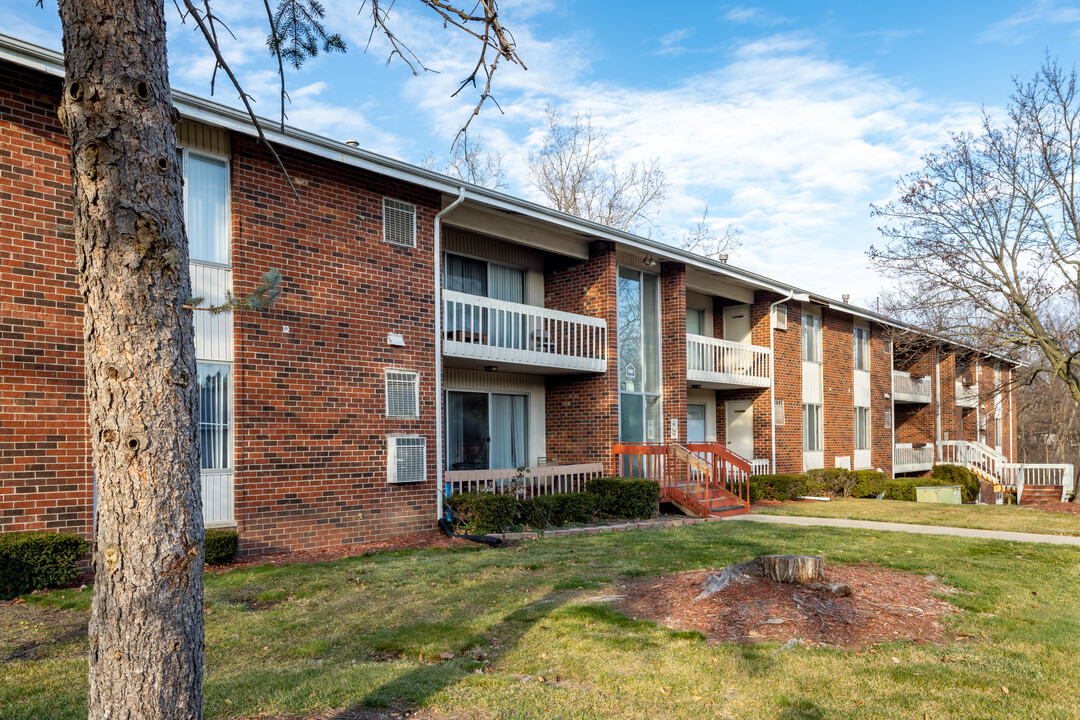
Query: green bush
[
  {"x": 629, "y": 498},
  {"x": 957, "y": 475},
  {"x": 480, "y": 513},
  {"x": 868, "y": 483},
  {"x": 833, "y": 482},
  {"x": 221, "y": 546},
  {"x": 37, "y": 560},
  {"x": 556, "y": 510},
  {"x": 777, "y": 487},
  {"x": 901, "y": 488}
]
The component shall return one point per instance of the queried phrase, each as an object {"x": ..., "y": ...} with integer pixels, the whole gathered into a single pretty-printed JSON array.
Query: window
[
  {"x": 399, "y": 222},
  {"x": 997, "y": 431},
  {"x": 779, "y": 318},
  {"x": 215, "y": 415},
  {"x": 811, "y": 338},
  {"x": 778, "y": 412},
  {"x": 402, "y": 393},
  {"x": 695, "y": 422},
  {"x": 486, "y": 279},
  {"x": 813, "y": 439},
  {"x": 206, "y": 208},
  {"x": 862, "y": 349},
  {"x": 406, "y": 459},
  {"x": 638, "y": 315},
  {"x": 695, "y": 321},
  {"x": 862, "y": 428},
  {"x": 486, "y": 431}
]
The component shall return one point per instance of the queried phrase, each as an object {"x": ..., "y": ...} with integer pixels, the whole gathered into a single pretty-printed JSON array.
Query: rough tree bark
[{"x": 146, "y": 627}]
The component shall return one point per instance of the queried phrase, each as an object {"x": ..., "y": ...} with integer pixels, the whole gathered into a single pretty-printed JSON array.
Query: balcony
[
  {"x": 722, "y": 364},
  {"x": 908, "y": 459},
  {"x": 480, "y": 331},
  {"x": 907, "y": 389},
  {"x": 967, "y": 396}
]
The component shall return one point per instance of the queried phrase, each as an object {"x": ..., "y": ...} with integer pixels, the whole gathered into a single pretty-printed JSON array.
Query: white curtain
[
  {"x": 207, "y": 210},
  {"x": 509, "y": 423},
  {"x": 455, "y": 430}
]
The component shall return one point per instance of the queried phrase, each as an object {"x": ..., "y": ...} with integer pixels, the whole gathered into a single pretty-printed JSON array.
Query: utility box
[{"x": 938, "y": 494}]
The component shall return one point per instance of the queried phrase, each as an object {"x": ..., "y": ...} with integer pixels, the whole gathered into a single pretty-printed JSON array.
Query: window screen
[
  {"x": 399, "y": 222},
  {"x": 402, "y": 393}
]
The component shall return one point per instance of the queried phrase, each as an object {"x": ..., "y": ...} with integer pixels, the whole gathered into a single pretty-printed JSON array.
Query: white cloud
[
  {"x": 754, "y": 15},
  {"x": 1032, "y": 18}
]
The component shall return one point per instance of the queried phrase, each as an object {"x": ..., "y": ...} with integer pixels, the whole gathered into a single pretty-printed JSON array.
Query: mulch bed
[
  {"x": 410, "y": 541},
  {"x": 1058, "y": 507},
  {"x": 886, "y": 606}
]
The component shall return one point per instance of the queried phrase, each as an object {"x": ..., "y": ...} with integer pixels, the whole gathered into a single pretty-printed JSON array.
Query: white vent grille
[
  {"x": 399, "y": 222},
  {"x": 402, "y": 393},
  {"x": 780, "y": 319},
  {"x": 406, "y": 459},
  {"x": 778, "y": 412}
]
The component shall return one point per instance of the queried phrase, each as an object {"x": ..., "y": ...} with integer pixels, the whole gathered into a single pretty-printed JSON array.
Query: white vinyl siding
[{"x": 399, "y": 222}]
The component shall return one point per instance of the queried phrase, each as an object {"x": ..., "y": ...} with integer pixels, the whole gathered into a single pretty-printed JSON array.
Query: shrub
[
  {"x": 629, "y": 498},
  {"x": 482, "y": 513},
  {"x": 834, "y": 482},
  {"x": 901, "y": 488},
  {"x": 37, "y": 560},
  {"x": 777, "y": 487},
  {"x": 957, "y": 475},
  {"x": 868, "y": 483},
  {"x": 556, "y": 510},
  {"x": 221, "y": 546}
]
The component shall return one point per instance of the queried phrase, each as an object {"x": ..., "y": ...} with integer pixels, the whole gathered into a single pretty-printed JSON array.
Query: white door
[
  {"x": 737, "y": 323},
  {"x": 740, "y": 428}
]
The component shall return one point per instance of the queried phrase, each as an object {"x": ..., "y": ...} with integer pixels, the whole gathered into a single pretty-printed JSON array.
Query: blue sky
[{"x": 786, "y": 118}]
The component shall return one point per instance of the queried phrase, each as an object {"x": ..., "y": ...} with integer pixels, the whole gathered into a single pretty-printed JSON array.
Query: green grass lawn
[
  {"x": 1011, "y": 518},
  {"x": 303, "y": 639}
]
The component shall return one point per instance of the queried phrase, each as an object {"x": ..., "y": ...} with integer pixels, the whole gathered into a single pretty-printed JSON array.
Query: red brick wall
[
  {"x": 881, "y": 437},
  {"x": 917, "y": 422},
  {"x": 787, "y": 372},
  {"x": 583, "y": 410},
  {"x": 310, "y": 404},
  {"x": 950, "y": 415},
  {"x": 673, "y": 348},
  {"x": 760, "y": 401},
  {"x": 838, "y": 374},
  {"x": 46, "y": 479}
]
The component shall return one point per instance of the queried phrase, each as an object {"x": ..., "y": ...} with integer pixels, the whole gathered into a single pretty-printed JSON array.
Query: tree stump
[{"x": 795, "y": 569}]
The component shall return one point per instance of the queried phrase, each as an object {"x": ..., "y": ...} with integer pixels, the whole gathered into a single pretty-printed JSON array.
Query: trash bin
[{"x": 938, "y": 494}]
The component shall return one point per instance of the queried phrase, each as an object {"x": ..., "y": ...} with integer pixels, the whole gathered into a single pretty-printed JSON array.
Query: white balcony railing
[
  {"x": 725, "y": 362},
  {"x": 543, "y": 480},
  {"x": 907, "y": 389},
  {"x": 912, "y": 459},
  {"x": 967, "y": 395},
  {"x": 497, "y": 331}
]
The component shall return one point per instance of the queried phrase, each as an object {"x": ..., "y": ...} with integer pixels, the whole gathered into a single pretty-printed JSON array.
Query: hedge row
[
  {"x": 837, "y": 482},
  {"x": 221, "y": 546},
  {"x": 37, "y": 560},
  {"x": 479, "y": 513},
  {"x": 832, "y": 482}
]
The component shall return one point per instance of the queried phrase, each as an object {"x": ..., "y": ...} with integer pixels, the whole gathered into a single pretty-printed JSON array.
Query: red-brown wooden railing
[{"x": 731, "y": 470}]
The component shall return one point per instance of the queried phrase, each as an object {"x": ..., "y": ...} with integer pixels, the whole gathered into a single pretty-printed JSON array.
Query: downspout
[
  {"x": 892, "y": 406},
  {"x": 772, "y": 371},
  {"x": 438, "y": 353},
  {"x": 937, "y": 400}
]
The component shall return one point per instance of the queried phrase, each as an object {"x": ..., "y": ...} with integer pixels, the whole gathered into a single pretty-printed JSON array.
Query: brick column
[
  {"x": 950, "y": 415},
  {"x": 673, "y": 348},
  {"x": 838, "y": 377},
  {"x": 583, "y": 410},
  {"x": 881, "y": 437}
]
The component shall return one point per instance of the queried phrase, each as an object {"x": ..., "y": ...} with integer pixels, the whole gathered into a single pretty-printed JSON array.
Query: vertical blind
[
  {"x": 509, "y": 422},
  {"x": 215, "y": 415}
]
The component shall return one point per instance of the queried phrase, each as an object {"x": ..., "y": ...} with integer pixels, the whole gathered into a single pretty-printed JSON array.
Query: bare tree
[
  {"x": 469, "y": 161},
  {"x": 1048, "y": 422},
  {"x": 984, "y": 239},
  {"x": 146, "y": 627},
  {"x": 576, "y": 173},
  {"x": 704, "y": 239}
]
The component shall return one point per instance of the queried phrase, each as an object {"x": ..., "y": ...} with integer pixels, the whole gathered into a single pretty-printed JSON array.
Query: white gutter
[
  {"x": 438, "y": 354},
  {"x": 772, "y": 371}
]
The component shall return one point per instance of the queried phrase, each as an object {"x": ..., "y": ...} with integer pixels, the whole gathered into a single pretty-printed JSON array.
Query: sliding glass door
[{"x": 486, "y": 431}]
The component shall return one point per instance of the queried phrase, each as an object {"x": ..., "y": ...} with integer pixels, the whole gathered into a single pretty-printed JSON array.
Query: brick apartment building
[{"x": 435, "y": 334}]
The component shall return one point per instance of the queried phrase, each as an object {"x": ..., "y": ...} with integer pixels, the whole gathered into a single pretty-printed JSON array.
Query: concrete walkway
[{"x": 904, "y": 527}]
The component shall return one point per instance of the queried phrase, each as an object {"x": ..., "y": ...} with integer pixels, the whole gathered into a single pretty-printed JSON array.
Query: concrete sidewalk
[{"x": 904, "y": 527}]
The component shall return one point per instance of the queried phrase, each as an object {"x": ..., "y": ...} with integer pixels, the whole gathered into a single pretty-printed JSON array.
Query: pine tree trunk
[{"x": 146, "y": 628}]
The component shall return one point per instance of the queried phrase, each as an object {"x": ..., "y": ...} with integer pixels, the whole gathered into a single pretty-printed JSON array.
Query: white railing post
[{"x": 723, "y": 361}]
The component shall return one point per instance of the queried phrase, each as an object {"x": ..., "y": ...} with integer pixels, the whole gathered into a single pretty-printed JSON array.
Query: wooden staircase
[
  {"x": 701, "y": 479},
  {"x": 1042, "y": 494}
]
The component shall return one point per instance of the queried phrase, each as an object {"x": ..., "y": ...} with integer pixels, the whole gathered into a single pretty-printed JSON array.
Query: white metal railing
[
  {"x": 483, "y": 328},
  {"x": 1022, "y": 475},
  {"x": 760, "y": 466},
  {"x": 534, "y": 481},
  {"x": 967, "y": 395},
  {"x": 723, "y": 361},
  {"x": 912, "y": 459},
  {"x": 909, "y": 389}
]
